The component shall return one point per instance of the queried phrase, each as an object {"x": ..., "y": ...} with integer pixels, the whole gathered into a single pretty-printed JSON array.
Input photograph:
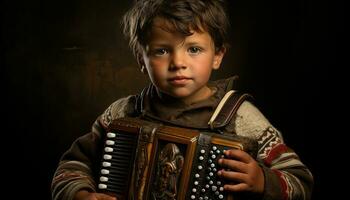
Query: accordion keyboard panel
[
  {"x": 118, "y": 156},
  {"x": 204, "y": 184}
]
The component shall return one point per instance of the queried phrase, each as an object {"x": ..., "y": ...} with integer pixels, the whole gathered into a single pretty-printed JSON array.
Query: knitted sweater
[{"x": 286, "y": 177}]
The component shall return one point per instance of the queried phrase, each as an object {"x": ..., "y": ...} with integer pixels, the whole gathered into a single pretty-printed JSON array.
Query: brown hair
[{"x": 183, "y": 15}]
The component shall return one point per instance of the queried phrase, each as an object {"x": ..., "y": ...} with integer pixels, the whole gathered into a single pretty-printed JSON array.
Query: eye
[
  {"x": 194, "y": 50},
  {"x": 160, "y": 52}
]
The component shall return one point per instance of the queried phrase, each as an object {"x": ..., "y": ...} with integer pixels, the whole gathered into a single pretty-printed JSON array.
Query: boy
[{"x": 178, "y": 44}]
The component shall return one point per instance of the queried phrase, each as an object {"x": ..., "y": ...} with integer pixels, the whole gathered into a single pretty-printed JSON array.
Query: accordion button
[
  {"x": 221, "y": 189},
  {"x": 193, "y": 197},
  {"x": 196, "y": 183},
  {"x": 106, "y": 164},
  {"x": 194, "y": 190},
  {"x": 103, "y": 179},
  {"x": 111, "y": 135},
  {"x": 202, "y": 151},
  {"x": 102, "y": 186},
  {"x": 110, "y": 142},
  {"x": 213, "y": 188},
  {"x": 221, "y": 196},
  {"x": 214, "y": 148},
  {"x": 107, "y": 157},
  {"x": 201, "y": 158},
  {"x": 108, "y": 149},
  {"x": 196, "y": 175},
  {"x": 104, "y": 171},
  {"x": 200, "y": 167}
]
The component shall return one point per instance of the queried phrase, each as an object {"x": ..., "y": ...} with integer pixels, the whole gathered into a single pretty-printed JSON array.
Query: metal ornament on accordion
[{"x": 144, "y": 160}]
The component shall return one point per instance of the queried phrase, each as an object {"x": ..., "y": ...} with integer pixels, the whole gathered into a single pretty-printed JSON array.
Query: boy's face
[{"x": 180, "y": 66}]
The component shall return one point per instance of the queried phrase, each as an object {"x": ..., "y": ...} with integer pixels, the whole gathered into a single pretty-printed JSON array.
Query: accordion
[{"x": 145, "y": 160}]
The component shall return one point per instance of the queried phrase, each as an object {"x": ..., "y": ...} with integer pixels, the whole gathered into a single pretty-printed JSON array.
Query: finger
[
  {"x": 238, "y": 155},
  {"x": 233, "y": 176},
  {"x": 234, "y": 165},
  {"x": 240, "y": 187}
]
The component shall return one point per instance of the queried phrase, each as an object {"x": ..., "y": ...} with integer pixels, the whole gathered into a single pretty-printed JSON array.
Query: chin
[{"x": 180, "y": 94}]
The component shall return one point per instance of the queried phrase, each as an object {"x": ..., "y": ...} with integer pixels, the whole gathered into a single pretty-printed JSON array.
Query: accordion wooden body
[{"x": 148, "y": 161}]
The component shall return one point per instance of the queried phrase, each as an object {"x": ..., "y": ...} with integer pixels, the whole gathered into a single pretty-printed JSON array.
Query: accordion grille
[{"x": 117, "y": 160}]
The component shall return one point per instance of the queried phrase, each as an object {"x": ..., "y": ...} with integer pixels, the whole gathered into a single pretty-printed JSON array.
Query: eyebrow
[
  {"x": 193, "y": 44},
  {"x": 159, "y": 44}
]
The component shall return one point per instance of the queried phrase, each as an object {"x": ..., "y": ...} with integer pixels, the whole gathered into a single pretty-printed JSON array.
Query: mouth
[{"x": 179, "y": 80}]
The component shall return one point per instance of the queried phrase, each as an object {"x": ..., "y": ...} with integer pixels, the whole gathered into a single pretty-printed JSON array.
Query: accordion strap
[{"x": 226, "y": 109}]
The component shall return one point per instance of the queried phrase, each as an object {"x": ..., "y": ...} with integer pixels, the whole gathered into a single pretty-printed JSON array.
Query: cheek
[
  {"x": 157, "y": 62},
  {"x": 157, "y": 71},
  {"x": 157, "y": 65},
  {"x": 204, "y": 67}
]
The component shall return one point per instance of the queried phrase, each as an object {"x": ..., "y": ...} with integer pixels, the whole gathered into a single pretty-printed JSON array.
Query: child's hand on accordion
[
  {"x": 241, "y": 172},
  {"x": 85, "y": 195}
]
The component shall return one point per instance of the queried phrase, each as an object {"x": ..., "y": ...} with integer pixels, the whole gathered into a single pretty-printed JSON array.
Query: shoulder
[
  {"x": 120, "y": 108},
  {"x": 250, "y": 121}
]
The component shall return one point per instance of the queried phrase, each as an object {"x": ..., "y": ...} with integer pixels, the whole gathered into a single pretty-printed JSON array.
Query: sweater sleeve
[
  {"x": 78, "y": 167},
  {"x": 286, "y": 177}
]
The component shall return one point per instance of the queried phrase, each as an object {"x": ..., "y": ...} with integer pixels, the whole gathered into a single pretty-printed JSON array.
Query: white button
[
  {"x": 106, "y": 164},
  {"x": 103, "y": 179},
  {"x": 102, "y": 186},
  {"x": 110, "y": 142},
  {"x": 111, "y": 135},
  {"x": 108, "y": 149}
]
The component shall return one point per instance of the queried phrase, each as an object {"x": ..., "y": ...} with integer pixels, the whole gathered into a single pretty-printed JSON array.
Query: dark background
[{"x": 64, "y": 62}]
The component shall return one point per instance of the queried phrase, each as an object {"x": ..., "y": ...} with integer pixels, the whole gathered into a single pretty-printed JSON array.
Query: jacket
[{"x": 286, "y": 177}]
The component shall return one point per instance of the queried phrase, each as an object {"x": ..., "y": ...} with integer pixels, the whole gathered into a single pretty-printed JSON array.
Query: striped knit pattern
[
  {"x": 277, "y": 156},
  {"x": 69, "y": 178}
]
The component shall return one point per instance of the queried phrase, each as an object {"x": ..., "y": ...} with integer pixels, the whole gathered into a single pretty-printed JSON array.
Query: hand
[
  {"x": 243, "y": 172},
  {"x": 85, "y": 195}
]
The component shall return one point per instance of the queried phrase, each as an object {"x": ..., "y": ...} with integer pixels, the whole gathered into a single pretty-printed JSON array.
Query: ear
[
  {"x": 141, "y": 63},
  {"x": 219, "y": 55}
]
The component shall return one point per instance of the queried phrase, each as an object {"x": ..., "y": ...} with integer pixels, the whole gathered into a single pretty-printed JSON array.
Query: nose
[{"x": 178, "y": 61}]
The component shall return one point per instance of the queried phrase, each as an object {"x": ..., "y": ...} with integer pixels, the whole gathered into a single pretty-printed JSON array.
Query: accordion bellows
[{"x": 144, "y": 160}]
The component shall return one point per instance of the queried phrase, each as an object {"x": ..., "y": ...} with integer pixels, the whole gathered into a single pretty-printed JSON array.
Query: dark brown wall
[{"x": 64, "y": 62}]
